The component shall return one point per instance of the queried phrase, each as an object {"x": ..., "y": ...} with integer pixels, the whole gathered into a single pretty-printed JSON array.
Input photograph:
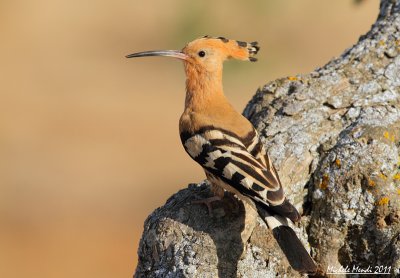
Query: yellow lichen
[
  {"x": 386, "y": 134},
  {"x": 382, "y": 176},
  {"x": 381, "y": 42},
  {"x": 389, "y": 136},
  {"x": 398, "y": 191},
  {"x": 338, "y": 162},
  {"x": 383, "y": 201},
  {"x": 397, "y": 176},
  {"x": 371, "y": 183},
  {"x": 292, "y": 78},
  {"x": 324, "y": 183}
]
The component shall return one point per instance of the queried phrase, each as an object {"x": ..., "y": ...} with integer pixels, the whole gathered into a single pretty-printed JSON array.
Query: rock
[{"x": 181, "y": 239}]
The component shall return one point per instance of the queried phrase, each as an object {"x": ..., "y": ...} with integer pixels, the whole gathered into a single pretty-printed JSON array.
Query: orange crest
[{"x": 227, "y": 48}]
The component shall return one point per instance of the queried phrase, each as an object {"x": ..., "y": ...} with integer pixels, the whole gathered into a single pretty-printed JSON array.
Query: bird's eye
[{"x": 202, "y": 53}]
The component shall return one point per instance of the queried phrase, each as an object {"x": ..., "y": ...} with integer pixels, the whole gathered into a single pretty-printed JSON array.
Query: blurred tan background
[{"x": 89, "y": 141}]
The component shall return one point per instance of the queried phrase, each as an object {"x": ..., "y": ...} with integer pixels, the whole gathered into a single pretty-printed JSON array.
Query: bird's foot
[{"x": 207, "y": 202}]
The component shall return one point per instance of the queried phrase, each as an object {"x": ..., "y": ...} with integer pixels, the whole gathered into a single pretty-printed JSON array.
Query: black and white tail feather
[
  {"x": 288, "y": 241},
  {"x": 243, "y": 166}
]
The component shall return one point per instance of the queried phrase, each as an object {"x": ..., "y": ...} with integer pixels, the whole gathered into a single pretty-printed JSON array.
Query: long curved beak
[{"x": 169, "y": 53}]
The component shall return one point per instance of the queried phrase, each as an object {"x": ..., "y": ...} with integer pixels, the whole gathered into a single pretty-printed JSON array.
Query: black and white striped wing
[
  {"x": 257, "y": 149},
  {"x": 226, "y": 157}
]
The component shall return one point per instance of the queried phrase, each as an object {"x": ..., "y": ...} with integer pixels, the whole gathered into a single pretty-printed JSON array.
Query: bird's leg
[
  {"x": 208, "y": 202},
  {"x": 218, "y": 193}
]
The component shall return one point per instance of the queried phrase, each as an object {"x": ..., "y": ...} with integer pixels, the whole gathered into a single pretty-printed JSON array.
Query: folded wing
[{"x": 226, "y": 157}]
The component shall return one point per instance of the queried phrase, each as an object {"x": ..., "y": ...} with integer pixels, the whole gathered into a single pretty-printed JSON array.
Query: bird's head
[{"x": 207, "y": 54}]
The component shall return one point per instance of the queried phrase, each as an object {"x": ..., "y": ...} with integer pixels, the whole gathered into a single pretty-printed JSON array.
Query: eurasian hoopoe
[{"x": 226, "y": 144}]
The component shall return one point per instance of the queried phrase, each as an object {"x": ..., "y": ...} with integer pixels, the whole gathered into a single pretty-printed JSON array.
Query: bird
[{"x": 226, "y": 144}]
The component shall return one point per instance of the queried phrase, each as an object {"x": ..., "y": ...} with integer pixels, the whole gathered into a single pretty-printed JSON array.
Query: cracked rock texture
[{"x": 334, "y": 136}]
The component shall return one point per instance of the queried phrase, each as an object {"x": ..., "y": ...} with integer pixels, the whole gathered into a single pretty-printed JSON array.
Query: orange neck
[{"x": 203, "y": 88}]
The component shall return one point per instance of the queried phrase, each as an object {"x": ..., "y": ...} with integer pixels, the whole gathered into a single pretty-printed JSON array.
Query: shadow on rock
[{"x": 193, "y": 236}]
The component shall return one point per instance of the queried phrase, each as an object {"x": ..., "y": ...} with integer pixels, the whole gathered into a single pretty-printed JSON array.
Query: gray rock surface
[
  {"x": 182, "y": 240},
  {"x": 334, "y": 136}
]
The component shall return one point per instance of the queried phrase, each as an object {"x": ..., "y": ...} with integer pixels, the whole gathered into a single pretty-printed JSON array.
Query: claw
[{"x": 207, "y": 202}]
